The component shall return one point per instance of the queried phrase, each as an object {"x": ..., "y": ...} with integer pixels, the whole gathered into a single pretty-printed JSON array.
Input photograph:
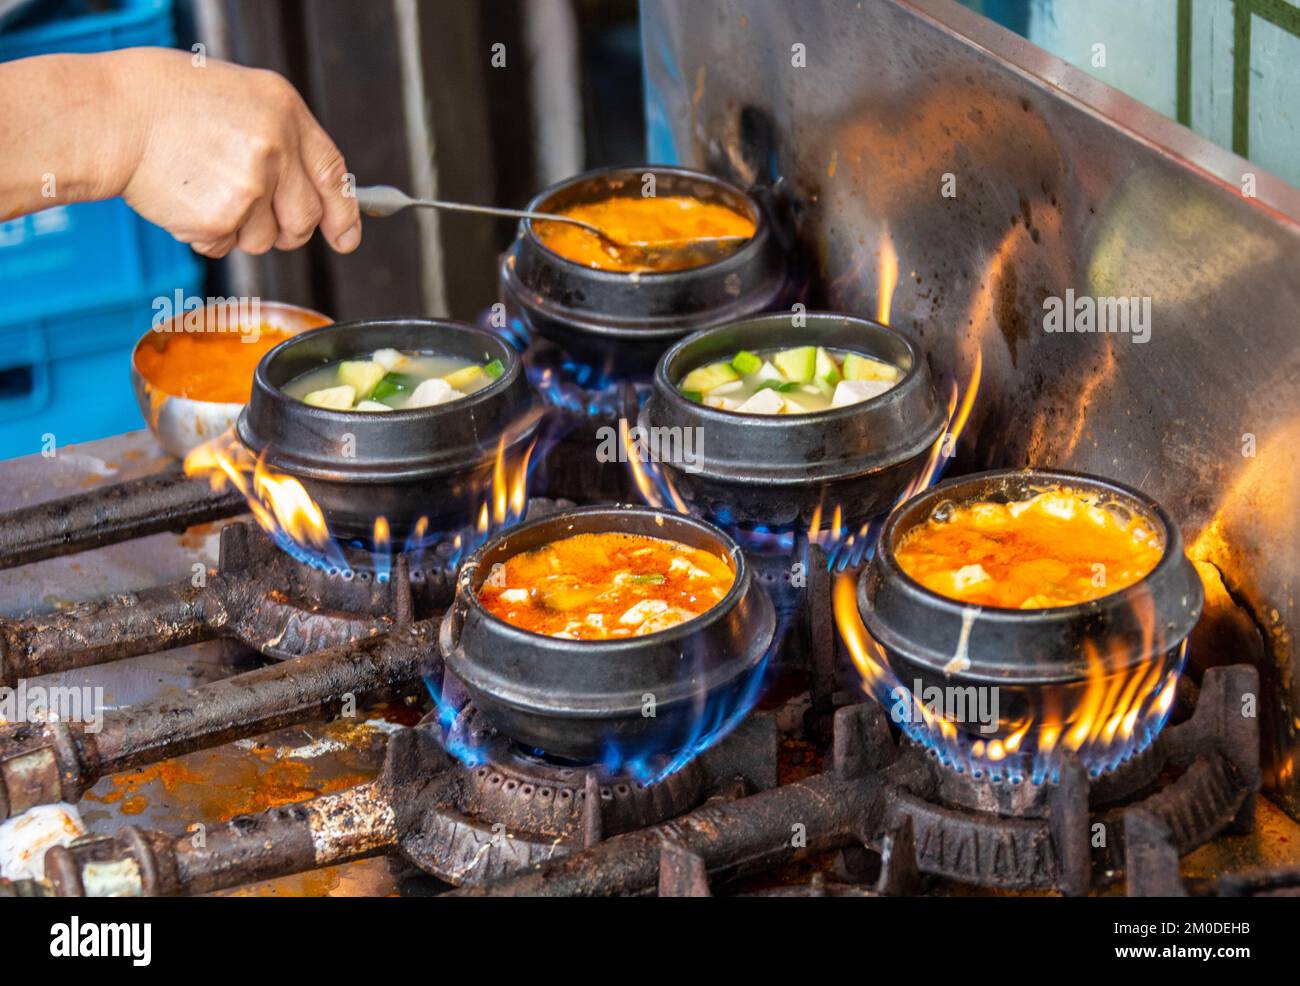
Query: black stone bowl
[
  {"x": 579, "y": 699},
  {"x": 619, "y": 323},
  {"x": 1040, "y": 660},
  {"x": 776, "y": 470},
  {"x": 431, "y": 462}
]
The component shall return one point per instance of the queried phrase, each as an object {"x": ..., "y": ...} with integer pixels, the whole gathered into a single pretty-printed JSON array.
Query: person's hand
[{"x": 223, "y": 156}]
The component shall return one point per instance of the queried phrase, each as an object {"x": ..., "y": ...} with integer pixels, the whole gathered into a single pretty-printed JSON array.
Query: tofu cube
[
  {"x": 726, "y": 388},
  {"x": 642, "y": 611},
  {"x": 431, "y": 393},
  {"x": 721, "y": 403},
  {"x": 969, "y": 575},
  {"x": 855, "y": 391},
  {"x": 389, "y": 359},
  {"x": 766, "y": 401}
]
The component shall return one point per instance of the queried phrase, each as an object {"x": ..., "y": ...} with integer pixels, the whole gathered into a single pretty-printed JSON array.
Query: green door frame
[{"x": 1279, "y": 13}]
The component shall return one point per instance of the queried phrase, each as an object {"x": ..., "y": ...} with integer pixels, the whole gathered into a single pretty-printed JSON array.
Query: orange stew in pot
[
  {"x": 606, "y": 586},
  {"x": 1054, "y": 549},
  {"x": 640, "y": 220}
]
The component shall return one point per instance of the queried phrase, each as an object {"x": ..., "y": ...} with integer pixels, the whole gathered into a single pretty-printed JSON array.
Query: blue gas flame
[
  {"x": 454, "y": 740},
  {"x": 716, "y": 715}
]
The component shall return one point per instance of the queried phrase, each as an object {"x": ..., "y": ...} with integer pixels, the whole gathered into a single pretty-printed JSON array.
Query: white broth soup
[
  {"x": 392, "y": 380},
  {"x": 801, "y": 380}
]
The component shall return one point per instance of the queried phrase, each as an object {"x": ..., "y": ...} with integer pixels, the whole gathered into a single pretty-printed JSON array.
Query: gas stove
[{"x": 411, "y": 789}]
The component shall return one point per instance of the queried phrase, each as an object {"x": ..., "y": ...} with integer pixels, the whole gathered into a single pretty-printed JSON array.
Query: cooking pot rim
[
  {"x": 514, "y": 366},
  {"x": 893, "y": 395},
  {"x": 746, "y": 250}
]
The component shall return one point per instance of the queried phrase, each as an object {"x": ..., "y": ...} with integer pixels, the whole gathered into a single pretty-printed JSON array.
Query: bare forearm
[
  {"x": 68, "y": 130},
  {"x": 218, "y": 155}
]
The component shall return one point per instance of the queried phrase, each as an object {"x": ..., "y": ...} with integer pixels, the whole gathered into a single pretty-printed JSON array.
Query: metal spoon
[{"x": 384, "y": 200}]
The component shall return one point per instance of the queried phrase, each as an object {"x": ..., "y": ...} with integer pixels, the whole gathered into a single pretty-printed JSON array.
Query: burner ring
[
  {"x": 284, "y": 607},
  {"x": 548, "y": 799},
  {"x": 1029, "y": 799}
]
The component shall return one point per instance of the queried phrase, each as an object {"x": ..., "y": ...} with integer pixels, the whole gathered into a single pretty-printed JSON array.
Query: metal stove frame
[{"x": 511, "y": 826}]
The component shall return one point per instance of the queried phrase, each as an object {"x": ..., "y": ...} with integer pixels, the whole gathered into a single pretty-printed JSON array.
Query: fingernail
[{"x": 351, "y": 238}]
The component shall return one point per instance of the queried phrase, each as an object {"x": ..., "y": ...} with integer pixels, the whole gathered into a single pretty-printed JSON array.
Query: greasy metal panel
[
  {"x": 1060, "y": 183},
  {"x": 207, "y": 786}
]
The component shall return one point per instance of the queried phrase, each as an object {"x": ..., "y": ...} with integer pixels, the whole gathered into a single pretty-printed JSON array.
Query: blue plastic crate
[
  {"x": 128, "y": 24},
  {"x": 77, "y": 282},
  {"x": 94, "y": 253},
  {"x": 67, "y": 375}
]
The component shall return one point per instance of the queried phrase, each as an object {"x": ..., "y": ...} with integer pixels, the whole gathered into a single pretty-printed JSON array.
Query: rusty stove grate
[{"x": 518, "y": 824}]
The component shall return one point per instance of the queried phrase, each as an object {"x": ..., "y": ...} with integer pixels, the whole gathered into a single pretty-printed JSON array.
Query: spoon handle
[{"x": 384, "y": 200}]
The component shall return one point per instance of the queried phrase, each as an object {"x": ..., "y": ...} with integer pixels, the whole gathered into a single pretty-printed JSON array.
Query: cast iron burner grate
[
  {"x": 885, "y": 796},
  {"x": 258, "y": 595},
  {"x": 338, "y": 638},
  {"x": 506, "y": 827},
  {"x": 463, "y": 824},
  {"x": 515, "y": 823}
]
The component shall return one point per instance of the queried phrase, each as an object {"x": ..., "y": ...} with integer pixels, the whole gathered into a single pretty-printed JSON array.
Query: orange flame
[
  {"x": 1101, "y": 718},
  {"x": 381, "y": 538},
  {"x": 946, "y": 446},
  {"x": 278, "y": 503},
  {"x": 500, "y": 492},
  {"x": 518, "y": 482},
  {"x": 959, "y": 409},
  {"x": 864, "y": 651},
  {"x": 507, "y": 500},
  {"x": 888, "y": 279},
  {"x": 283, "y": 508},
  {"x": 651, "y": 482}
]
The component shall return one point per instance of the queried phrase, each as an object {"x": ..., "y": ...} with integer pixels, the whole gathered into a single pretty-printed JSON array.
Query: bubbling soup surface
[
  {"x": 1054, "y": 549},
  {"x": 606, "y": 586}
]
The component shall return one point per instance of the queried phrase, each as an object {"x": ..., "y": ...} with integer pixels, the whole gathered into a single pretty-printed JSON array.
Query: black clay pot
[
  {"x": 1040, "y": 660},
  {"x": 582, "y": 699},
  {"x": 619, "y": 323},
  {"x": 432, "y": 462},
  {"x": 775, "y": 470}
]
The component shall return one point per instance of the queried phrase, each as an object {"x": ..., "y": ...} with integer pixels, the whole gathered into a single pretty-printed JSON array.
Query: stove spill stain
[
  {"x": 797, "y": 760},
  {"x": 313, "y": 883},
  {"x": 220, "y": 789},
  {"x": 197, "y": 536},
  {"x": 1270, "y": 844},
  {"x": 961, "y": 657},
  {"x": 253, "y": 788}
]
